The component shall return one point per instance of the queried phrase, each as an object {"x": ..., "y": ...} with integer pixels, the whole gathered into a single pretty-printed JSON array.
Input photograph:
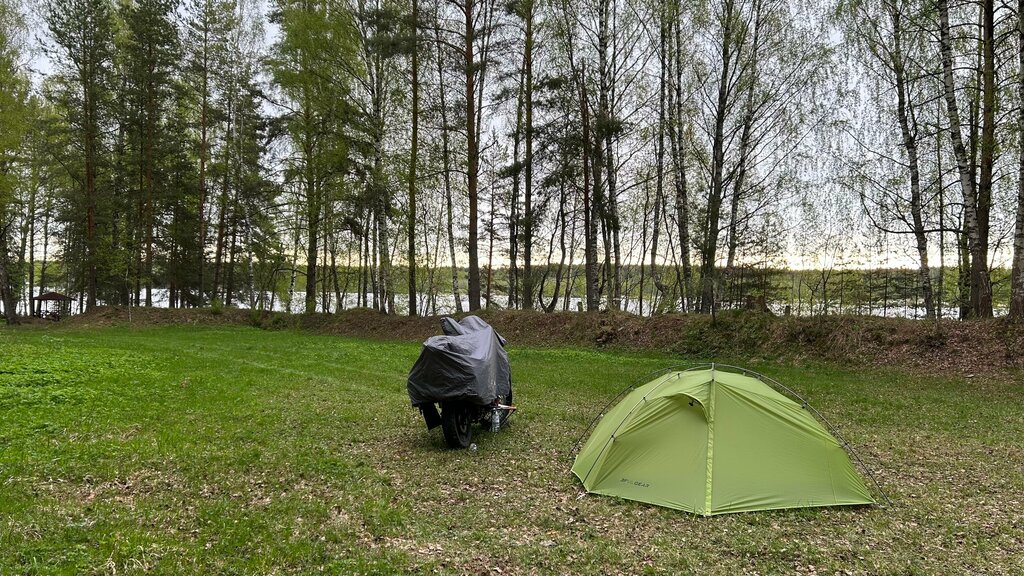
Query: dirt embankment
[{"x": 946, "y": 347}]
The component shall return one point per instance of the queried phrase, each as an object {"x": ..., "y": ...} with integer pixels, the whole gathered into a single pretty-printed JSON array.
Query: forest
[{"x": 434, "y": 156}]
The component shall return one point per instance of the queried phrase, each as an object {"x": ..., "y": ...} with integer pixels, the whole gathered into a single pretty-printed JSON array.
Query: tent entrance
[{"x": 653, "y": 458}]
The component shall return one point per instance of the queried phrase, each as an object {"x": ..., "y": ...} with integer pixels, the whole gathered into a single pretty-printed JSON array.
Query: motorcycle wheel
[{"x": 455, "y": 422}]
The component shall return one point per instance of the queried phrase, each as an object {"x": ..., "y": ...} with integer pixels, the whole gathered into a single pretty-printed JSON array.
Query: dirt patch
[
  {"x": 948, "y": 346},
  {"x": 102, "y": 316}
]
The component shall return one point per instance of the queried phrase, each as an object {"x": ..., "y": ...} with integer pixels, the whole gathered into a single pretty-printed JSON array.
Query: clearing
[{"x": 227, "y": 449}]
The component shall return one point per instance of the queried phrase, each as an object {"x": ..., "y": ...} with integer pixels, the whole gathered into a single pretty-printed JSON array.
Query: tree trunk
[
  {"x": 490, "y": 252},
  {"x": 413, "y": 151},
  {"x": 91, "y": 154},
  {"x": 386, "y": 291},
  {"x": 204, "y": 150},
  {"x": 660, "y": 169},
  {"x": 325, "y": 287},
  {"x": 379, "y": 193},
  {"x": 964, "y": 165},
  {"x": 7, "y": 292},
  {"x": 1017, "y": 274},
  {"x": 30, "y": 244},
  {"x": 472, "y": 156},
  {"x": 963, "y": 276},
  {"x": 46, "y": 246},
  {"x": 312, "y": 229},
  {"x": 709, "y": 253},
  {"x": 339, "y": 296},
  {"x": 513, "y": 210},
  {"x": 150, "y": 160},
  {"x": 367, "y": 262},
  {"x": 294, "y": 263},
  {"x": 563, "y": 199},
  {"x": 613, "y": 263},
  {"x": 589, "y": 201},
  {"x": 904, "y": 112},
  {"x": 682, "y": 205},
  {"x": 528, "y": 219},
  {"x": 229, "y": 288},
  {"x": 429, "y": 300},
  {"x": 981, "y": 282},
  {"x": 570, "y": 278},
  {"x": 941, "y": 284},
  {"x": 371, "y": 255},
  {"x": 223, "y": 204},
  {"x": 744, "y": 153},
  {"x": 447, "y": 171}
]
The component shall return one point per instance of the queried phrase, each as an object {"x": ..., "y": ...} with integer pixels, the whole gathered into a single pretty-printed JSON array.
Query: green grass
[{"x": 232, "y": 450}]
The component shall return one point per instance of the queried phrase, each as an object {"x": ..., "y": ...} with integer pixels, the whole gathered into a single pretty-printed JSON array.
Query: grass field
[{"x": 233, "y": 450}]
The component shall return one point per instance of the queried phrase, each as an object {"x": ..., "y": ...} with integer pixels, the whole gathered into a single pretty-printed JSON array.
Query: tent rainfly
[{"x": 711, "y": 441}]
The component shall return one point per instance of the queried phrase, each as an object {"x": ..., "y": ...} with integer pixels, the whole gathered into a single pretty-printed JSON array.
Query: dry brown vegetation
[{"x": 948, "y": 346}]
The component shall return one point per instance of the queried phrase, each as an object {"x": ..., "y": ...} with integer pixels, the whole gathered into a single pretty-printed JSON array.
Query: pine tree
[
  {"x": 153, "y": 53},
  {"x": 82, "y": 32},
  {"x": 208, "y": 58}
]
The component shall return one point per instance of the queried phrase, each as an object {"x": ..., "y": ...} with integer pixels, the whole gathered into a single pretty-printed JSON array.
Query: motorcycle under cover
[{"x": 467, "y": 364}]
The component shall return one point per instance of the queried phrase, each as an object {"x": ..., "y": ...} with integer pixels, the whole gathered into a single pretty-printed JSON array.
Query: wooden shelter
[{"x": 53, "y": 305}]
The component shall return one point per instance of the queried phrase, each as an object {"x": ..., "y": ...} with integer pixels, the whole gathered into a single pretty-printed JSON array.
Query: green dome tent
[{"x": 711, "y": 441}]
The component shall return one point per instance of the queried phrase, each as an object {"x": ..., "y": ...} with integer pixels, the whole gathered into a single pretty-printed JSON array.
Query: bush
[{"x": 256, "y": 318}]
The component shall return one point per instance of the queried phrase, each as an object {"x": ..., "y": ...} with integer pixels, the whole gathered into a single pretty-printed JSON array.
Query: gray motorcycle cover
[{"x": 467, "y": 364}]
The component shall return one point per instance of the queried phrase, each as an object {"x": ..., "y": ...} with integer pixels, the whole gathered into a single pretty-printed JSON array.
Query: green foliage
[
  {"x": 50, "y": 372},
  {"x": 315, "y": 63},
  {"x": 14, "y": 102}
]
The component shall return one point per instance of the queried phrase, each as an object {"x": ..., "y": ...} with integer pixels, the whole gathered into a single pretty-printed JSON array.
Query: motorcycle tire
[{"x": 456, "y": 424}]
